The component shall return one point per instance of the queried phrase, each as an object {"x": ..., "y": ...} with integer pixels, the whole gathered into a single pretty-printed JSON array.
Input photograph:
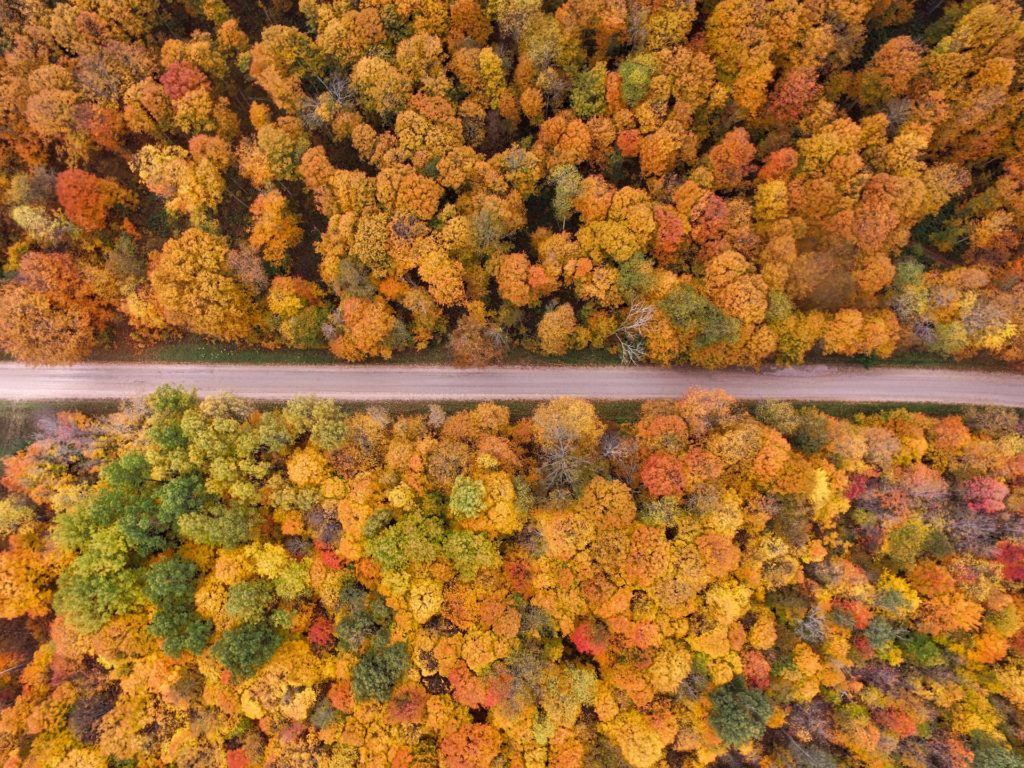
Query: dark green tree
[
  {"x": 739, "y": 714},
  {"x": 375, "y": 674},
  {"x": 246, "y": 648},
  {"x": 171, "y": 585}
]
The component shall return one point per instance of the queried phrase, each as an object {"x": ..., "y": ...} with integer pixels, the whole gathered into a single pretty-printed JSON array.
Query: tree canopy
[
  {"x": 208, "y": 582},
  {"x": 723, "y": 183}
]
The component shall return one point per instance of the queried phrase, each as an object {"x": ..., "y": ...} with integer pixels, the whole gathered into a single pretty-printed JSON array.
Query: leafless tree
[
  {"x": 337, "y": 86},
  {"x": 436, "y": 416},
  {"x": 562, "y": 465},
  {"x": 812, "y": 628},
  {"x": 308, "y": 113},
  {"x": 632, "y": 347},
  {"x": 621, "y": 452},
  {"x": 380, "y": 414}
]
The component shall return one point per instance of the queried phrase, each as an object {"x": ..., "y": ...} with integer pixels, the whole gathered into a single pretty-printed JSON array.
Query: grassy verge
[
  {"x": 197, "y": 350},
  {"x": 20, "y": 422},
  {"x": 915, "y": 359},
  {"x": 193, "y": 350}
]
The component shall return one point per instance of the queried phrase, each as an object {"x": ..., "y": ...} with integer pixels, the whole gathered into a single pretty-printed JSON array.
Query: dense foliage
[
  {"x": 200, "y": 583},
  {"x": 720, "y": 183}
]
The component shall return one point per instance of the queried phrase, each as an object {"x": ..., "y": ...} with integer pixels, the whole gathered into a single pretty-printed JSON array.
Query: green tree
[
  {"x": 636, "y": 74},
  {"x": 99, "y": 584},
  {"x": 375, "y": 674},
  {"x": 171, "y": 584},
  {"x": 587, "y": 97},
  {"x": 249, "y": 601},
  {"x": 739, "y": 714},
  {"x": 414, "y": 540},
  {"x": 467, "y": 498},
  {"x": 989, "y": 753},
  {"x": 246, "y": 648}
]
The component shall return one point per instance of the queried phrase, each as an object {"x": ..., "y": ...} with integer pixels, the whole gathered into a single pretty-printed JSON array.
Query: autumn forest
[
  {"x": 202, "y": 583},
  {"x": 213, "y": 582},
  {"x": 729, "y": 182}
]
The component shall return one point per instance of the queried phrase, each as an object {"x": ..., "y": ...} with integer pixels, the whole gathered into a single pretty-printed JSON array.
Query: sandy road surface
[{"x": 396, "y": 382}]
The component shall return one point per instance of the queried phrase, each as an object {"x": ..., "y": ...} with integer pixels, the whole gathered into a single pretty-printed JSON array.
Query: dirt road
[{"x": 395, "y": 382}]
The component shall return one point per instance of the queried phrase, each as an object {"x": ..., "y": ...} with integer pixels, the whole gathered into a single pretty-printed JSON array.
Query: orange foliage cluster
[
  {"x": 722, "y": 183},
  {"x": 202, "y": 583}
]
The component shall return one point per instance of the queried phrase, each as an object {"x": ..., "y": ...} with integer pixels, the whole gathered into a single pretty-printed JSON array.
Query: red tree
[
  {"x": 87, "y": 199},
  {"x": 1010, "y": 555},
  {"x": 985, "y": 494}
]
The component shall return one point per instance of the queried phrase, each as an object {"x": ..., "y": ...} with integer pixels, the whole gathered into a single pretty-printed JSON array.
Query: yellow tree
[
  {"x": 556, "y": 330},
  {"x": 195, "y": 289},
  {"x": 275, "y": 228}
]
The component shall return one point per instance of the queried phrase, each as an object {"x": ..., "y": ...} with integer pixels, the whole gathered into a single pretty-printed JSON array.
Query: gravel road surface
[{"x": 400, "y": 382}]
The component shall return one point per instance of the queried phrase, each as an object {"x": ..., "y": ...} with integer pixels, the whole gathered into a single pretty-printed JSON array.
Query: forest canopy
[
  {"x": 196, "y": 582},
  {"x": 718, "y": 183}
]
